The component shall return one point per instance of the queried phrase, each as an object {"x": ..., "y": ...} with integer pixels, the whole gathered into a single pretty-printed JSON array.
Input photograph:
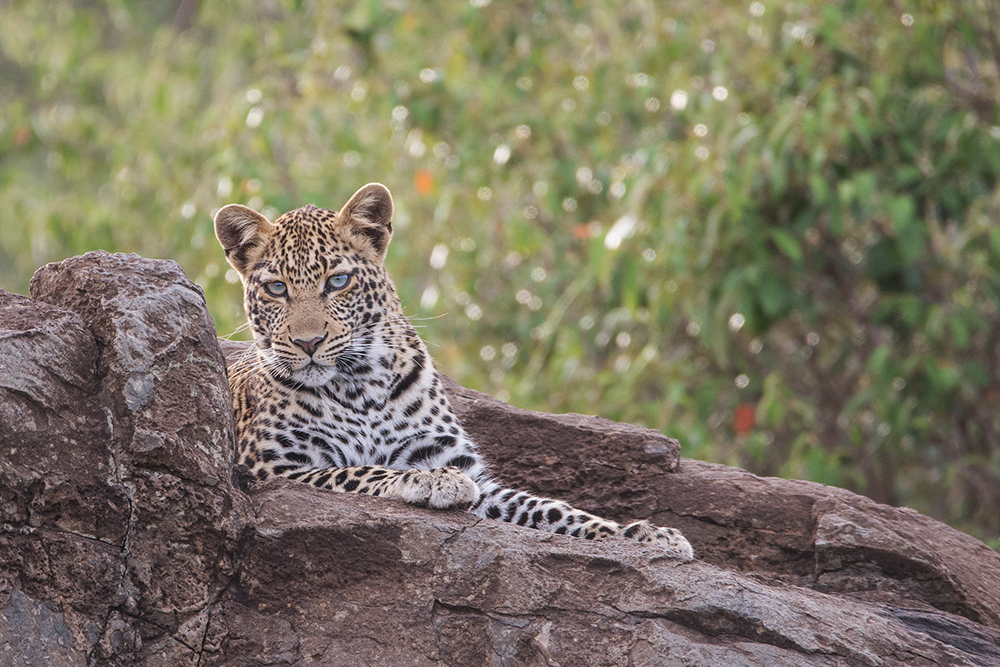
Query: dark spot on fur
[
  {"x": 421, "y": 454},
  {"x": 406, "y": 382},
  {"x": 462, "y": 462}
]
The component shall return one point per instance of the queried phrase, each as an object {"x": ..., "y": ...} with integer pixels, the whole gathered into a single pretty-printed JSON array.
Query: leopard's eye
[
  {"x": 338, "y": 281},
  {"x": 276, "y": 288}
]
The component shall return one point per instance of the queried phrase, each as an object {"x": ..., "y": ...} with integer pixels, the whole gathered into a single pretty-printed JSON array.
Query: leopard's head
[{"x": 314, "y": 282}]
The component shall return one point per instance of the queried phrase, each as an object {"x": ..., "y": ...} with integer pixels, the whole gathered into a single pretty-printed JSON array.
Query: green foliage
[{"x": 768, "y": 229}]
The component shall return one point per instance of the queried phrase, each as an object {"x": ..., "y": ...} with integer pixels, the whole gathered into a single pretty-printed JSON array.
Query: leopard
[{"x": 338, "y": 391}]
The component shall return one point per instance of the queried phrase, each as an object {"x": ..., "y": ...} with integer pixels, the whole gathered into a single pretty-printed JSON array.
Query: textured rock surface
[
  {"x": 120, "y": 525},
  {"x": 793, "y": 531},
  {"x": 127, "y": 539},
  {"x": 357, "y": 579}
]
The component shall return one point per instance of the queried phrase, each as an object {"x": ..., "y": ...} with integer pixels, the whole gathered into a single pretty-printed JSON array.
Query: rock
[
  {"x": 127, "y": 538},
  {"x": 116, "y": 440},
  {"x": 361, "y": 579},
  {"x": 591, "y": 460},
  {"x": 798, "y": 532}
]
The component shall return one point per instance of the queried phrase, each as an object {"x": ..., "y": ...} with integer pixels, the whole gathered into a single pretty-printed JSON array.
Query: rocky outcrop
[
  {"x": 795, "y": 532},
  {"x": 120, "y": 524},
  {"x": 127, "y": 538}
]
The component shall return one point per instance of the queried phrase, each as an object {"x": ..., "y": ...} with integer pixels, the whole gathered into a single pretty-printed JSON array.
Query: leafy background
[{"x": 769, "y": 229}]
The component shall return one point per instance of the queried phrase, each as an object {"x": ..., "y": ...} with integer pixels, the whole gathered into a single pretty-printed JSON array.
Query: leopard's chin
[{"x": 313, "y": 375}]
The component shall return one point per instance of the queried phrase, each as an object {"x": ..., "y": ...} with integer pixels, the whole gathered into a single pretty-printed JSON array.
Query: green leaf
[
  {"x": 823, "y": 467},
  {"x": 909, "y": 231},
  {"x": 959, "y": 332},
  {"x": 864, "y": 185},
  {"x": 820, "y": 189},
  {"x": 878, "y": 361},
  {"x": 901, "y": 212},
  {"x": 787, "y": 243},
  {"x": 995, "y": 240},
  {"x": 775, "y": 295}
]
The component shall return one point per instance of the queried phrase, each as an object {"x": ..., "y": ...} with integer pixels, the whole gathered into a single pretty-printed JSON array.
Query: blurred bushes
[{"x": 768, "y": 229}]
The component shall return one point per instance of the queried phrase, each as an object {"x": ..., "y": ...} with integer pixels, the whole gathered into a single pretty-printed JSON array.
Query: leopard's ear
[
  {"x": 368, "y": 216},
  {"x": 241, "y": 231}
]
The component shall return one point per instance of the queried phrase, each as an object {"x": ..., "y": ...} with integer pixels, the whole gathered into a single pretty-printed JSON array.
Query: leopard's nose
[{"x": 309, "y": 346}]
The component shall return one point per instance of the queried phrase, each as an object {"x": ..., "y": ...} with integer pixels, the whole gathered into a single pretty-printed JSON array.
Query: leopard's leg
[
  {"x": 555, "y": 516},
  {"x": 440, "y": 488}
]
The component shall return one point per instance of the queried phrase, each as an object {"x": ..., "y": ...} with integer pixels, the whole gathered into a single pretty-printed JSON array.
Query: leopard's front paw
[
  {"x": 670, "y": 539},
  {"x": 441, "y": 488}
]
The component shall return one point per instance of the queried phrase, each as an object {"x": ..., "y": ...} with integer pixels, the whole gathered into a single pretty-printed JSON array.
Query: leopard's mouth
[
  {"x": 313, "y": 374},
  {"x": 324, "y": 365}
]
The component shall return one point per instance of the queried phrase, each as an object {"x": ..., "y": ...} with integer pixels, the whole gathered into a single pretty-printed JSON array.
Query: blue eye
[
  {"x": 276, "y": 288},
  {"x": 338, "y": 281}
]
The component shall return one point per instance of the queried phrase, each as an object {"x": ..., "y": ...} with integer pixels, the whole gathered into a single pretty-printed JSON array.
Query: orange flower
[
  {"x": 744, "y": 418},
  {"x": 423, "y": 181}
]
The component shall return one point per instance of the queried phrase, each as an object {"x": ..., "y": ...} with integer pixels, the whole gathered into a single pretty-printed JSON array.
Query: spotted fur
[{"x": 339, "y": 391}]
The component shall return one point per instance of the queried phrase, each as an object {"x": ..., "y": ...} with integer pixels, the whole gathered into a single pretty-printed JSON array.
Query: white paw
[
  {"x": 670, "y": 539},
  {"x": 441, "y": 488}
]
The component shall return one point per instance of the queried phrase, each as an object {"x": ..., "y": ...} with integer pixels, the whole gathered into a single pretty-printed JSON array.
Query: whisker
[
  {"x": 235, "y": 331},
  {"x": 423, "y": 319},
  {"x": 366, "y": 340}
]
